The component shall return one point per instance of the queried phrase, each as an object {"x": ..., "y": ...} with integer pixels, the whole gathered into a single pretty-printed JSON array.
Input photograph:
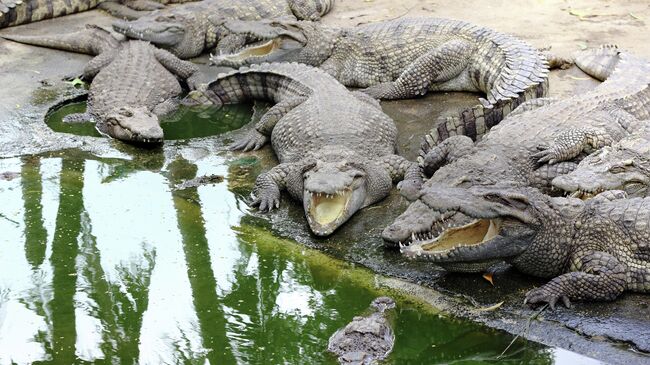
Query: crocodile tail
[
  {"x": 511, "y": 72},
  {"x": 476, "y": 121},
  {"x": 16, "y": 12},
  {"x": 93, "y": 40},
  {"x": 257, "y": 82},
  {"x": 598, "y": 62}
]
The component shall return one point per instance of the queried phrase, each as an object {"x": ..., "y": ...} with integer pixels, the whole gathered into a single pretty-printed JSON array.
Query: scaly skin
[
  {"x": 365, "y": 340},
  {"x": 405, "y": 58},
  {"x": 623, "y": 166},
  {"x": 508, "y": 154},
  {"x": 591, "y": 250},
  {"x": 186, "y": 31},
  {"x": 16, "y": 12},
  {"x": 132, "y": 82},
  {"x": 336, "y": 148}
]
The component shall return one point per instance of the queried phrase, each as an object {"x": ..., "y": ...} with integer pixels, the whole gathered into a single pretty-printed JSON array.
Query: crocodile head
[
  {"x": 132, "y": 124},
  {"x": 278, "y": 41},
  {"x": 501, "y": 224},
  {"x": 334, "y": 190},
  {"x": 181, "y": 33},
  {"x": 625, "y": 166}
]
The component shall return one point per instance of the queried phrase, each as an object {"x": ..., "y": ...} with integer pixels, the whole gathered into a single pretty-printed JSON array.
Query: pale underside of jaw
[
  {"x": 328, "y": 208},
  {"x": 255, "y": 51},
  {"x": 472, "y": 234}
]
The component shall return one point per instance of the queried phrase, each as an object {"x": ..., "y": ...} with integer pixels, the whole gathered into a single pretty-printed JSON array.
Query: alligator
[
  {"x": 591, "y": 250},
  {"x": 510, "y": 152},
  {"x": 623, "y": 166},
  {"x": 190, "y": 29},
  {"x": 133, "y": 82},
  {"x": 336, "y": 148},
  {"x": 365, "y": 340},
  {"x": 16, "y": 12},
  {"x": 406, "y": 58}
]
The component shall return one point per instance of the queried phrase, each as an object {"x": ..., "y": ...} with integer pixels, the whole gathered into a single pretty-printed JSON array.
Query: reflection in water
[
  {"x": 211, "y": 317},
  {"x": 141, "y": 273},
  {"x": 32, "y": 189},
  {"x": 64, "y": 254}
]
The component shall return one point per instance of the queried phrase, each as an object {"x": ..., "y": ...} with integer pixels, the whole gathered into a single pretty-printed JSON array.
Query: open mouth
[
  {"x": 326, "y": 209},
  {"x": 585, "y": 194},
  {"x": 475, "y": 233},
  {"x": 257, "y": 50}
]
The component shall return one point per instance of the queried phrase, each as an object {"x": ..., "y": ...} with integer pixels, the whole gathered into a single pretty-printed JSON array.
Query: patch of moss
[{"x": 44, "y": 95}]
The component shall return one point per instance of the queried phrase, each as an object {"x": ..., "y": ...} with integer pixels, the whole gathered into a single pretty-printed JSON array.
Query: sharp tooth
[{"x": 412, "y": 236}]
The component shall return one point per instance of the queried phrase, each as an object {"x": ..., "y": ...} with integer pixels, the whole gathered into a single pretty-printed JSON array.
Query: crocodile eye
[
  {"x": 125, "y": 112},
  {"x": 618, "y": 169},
  {"x": 492, "y": 196}
]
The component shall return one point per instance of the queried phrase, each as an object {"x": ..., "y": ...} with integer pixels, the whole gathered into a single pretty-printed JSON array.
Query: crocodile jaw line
[{"x": 472, "y": 234}]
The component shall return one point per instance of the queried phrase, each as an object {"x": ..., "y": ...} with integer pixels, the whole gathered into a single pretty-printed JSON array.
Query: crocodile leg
[
  {"x": 260, "y": 135},
  {"x": 230, "y": 43},
  {"x": 602, "y": 277},
  {"x": 446, "y": 152},
  {"x": 572, "y": 142},
  {"x": 165, "y": 107},
  {"x": 95, "y": 65},
  {"x": 438, "y": 65},
  {"x": 184, "y": 69},
  {"x": 544, "y": 175},
  {"x": 406, "y": 172},
  {"x": 268, "y": 185}
]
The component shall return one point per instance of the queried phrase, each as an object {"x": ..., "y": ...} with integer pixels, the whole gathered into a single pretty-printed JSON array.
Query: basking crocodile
[
  {"x": 406, "y": 58},
  {"x": 591, "y": 250},
  {"x": 16, "y": 12},
  {"x": 186, "y": 31},
  {"x": 336, "y": 148},
  {"x": 509, "y": 153},
  {"x": 133, "y": 82},
  {"x": 623, "y": 166},
  {"x": 365, "y": 340}
]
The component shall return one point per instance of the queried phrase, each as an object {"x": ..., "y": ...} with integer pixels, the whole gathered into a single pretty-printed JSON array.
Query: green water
[
  {"x": 102, "y": 261},
  {"x": 184, "y": 123}
]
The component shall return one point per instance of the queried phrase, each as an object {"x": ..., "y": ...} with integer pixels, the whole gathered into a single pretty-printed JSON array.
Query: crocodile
[
  {"x": 406, "y": 58},
  {"x": 16, "y": 12},
  {"x": 186, "y": 30},
  {"x": 623, "y": 166},
  {"x": 133, "y": 82},
  {"x": 590, "y": 250},
  {"x": 365, "y": 340},
  {"x": 510, "y": 153},
  {"x": 336, "y": 148}
]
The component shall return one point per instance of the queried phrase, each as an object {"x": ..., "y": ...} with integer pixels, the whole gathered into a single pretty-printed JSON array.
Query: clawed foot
[
  {"x": 267, "y": 200},
  {"x": 542, "y": 295},
  {"x": 547, "y": 154},
  {"x": 410, "y": 189},
  {"x": 253, "y": 141}
]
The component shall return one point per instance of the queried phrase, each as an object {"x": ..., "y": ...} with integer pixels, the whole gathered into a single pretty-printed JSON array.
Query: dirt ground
[{"x": 30, "y": 81}]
